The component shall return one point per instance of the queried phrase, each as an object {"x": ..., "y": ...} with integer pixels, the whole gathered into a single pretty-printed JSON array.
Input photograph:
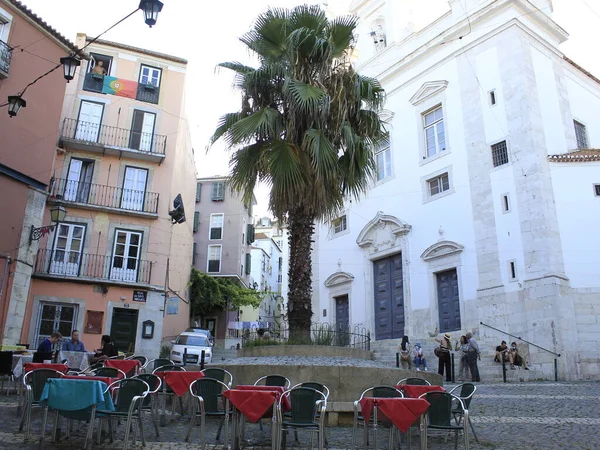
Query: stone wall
[{"x": 304, "y": 350}]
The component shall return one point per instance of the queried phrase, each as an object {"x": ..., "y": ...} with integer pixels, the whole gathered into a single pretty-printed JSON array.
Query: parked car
[
  {"x": 201, "y": 331},
  {"x": 192, "y": 345}
]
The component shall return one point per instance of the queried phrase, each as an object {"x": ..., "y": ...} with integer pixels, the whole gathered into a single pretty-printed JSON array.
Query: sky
[{"x": 206, "y": 33}]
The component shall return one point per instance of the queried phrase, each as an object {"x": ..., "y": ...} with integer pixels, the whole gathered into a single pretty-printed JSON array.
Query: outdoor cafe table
[
  {"x": 76, "y": 360},
  {"x": 29, "y": 366},
  {"x": 401, "y": 412},
  {"x": 18, "y": 361},
  {"x": 415, "y": 391},
  {"x": 131, "y": 367},
  {"x": 255, "y": 403},
  {"x": 75, "y": 399},
  {"x": 179, "y": 382}
]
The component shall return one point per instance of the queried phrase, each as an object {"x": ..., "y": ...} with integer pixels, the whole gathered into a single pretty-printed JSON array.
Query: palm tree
[{"x": 307, "y": 127}]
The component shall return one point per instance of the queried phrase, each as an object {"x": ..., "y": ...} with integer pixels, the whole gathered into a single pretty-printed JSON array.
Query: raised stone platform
[{"x": 305, "y": 350}]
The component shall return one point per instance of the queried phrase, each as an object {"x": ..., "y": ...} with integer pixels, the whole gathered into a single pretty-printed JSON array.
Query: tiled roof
[
  {"x": 139, "y": 50},
  {"x": 261, "y": 236},
  {"x": 585, "y": 155},
  {"x": 578, "y": 67},
  {"x": 37, "y": 19}
]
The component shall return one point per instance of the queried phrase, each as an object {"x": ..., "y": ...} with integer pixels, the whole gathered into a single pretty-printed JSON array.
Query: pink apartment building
[
  {"x": 28, "y": 47},
  {"x": 117, "y": 264}
]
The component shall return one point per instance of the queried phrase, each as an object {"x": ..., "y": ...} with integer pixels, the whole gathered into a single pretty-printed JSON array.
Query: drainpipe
[{"x": 4, "y": 272}]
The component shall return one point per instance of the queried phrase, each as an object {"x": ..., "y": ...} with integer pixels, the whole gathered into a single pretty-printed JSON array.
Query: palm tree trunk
[{"x": 301, "y": 227}]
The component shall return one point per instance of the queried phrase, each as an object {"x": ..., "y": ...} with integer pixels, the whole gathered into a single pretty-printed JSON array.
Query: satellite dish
[{"x": 178, "y": 214}]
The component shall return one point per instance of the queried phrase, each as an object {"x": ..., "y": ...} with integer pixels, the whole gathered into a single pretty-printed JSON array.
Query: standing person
[
  {"x": 405, "y": 350},
  {"x": 419, "y": 358},
  {"x": 473, "y": 356},
  {"x": 108, "y": 350},
  {"x": 47, "y": 344},
  {"x": 444, "y": 356},
  {"x": 74, "y": 344},
  {"x": 463, "y": 351}
]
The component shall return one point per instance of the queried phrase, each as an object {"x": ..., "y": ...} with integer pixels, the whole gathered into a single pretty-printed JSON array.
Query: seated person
[
  {"x": 74, "y": 344},
  {"x": 516, "y": 359},
  {"x": 48, "y": 343},
  {"x": 419, "y": 358},
  {"x": 108, "y": 350},
  {"x": 502, "y": 352}
]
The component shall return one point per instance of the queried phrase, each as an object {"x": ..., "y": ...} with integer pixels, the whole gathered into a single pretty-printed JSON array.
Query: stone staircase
[{"x": 489, "y": 371}]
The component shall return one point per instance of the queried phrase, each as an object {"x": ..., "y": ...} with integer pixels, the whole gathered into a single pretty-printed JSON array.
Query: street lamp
[
  {"x": 57, "y": 215},
  {"x": 70, "y": 65},
  {"x": 15, "y": 103},
  {"x": 151, "y": 8}
]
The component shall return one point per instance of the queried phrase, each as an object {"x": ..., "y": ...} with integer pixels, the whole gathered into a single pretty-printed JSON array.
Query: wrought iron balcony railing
[
  {"x": 76, "y": 265},
  {"x": 104, "y": 196},
  {"x": 5, "y": 55},
  {"x": 93, "y": 133},
  {"x": 145, "y": 93}
]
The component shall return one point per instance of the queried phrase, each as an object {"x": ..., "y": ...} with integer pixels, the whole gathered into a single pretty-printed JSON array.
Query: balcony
[
  {"x": 86, "y": 267},
  {"x": 145, "y": 93},
  {"x": 5, "y": 55},
  {"x": 104, "y": 198},
  {"x": 107, "y": 140}
]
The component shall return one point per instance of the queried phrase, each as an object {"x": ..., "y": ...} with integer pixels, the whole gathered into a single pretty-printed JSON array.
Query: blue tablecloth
[{"x": 75, "y": 395}]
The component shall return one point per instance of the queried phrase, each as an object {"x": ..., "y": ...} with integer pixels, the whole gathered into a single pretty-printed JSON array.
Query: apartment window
[
  {"x": 100, "y": 64},
  {"x": 435, "y": 136},
  {"x": 196, "y": 221},
  {"x": 580, "y": 135},
  {"x": 150, "y": 76},
  {"x": 79, "y": 178},
  {"x": 142, "y": 131},
  {"x": 438, "y": 184},
  {"x": 55, "y": 317},
  {"x": 499, "y": 154},
  {"x": 198, "y": 192},
  {"x": 492, "y": 94},
  {"x": 340, "y": 224},
  {"x": 248, "y": 263},
  {"x": 279, "y": 279},
  {"x": 505, "y": 203},
  {"x": 280, "y": 263},
  {"x": 214, "y": 259},
  {"x": 597, "y": 190},
  {"x": 134, "y": 188},
  {"x": 68, "y": 247},
  {"x": 383, "y": 160},
  {"x": 512, "y": 270},
  {"x": 216, "y": 226},
  {"x": 126, "y": 255},
  {"x": 218, "y": 191},
  {"x": 280, "y": 243}
]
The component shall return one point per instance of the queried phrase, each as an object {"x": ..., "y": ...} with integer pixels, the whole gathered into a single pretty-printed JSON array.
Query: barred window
[
  {"x": 580, "y": 134},
  {"x": 500, "y": 154}
]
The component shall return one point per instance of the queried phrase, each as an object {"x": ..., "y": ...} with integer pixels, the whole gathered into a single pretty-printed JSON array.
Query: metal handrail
[{"x": 520, "y": 338}]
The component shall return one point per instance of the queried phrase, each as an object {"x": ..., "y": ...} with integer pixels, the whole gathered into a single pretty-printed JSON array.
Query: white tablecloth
[
  {"x": 18, "y": 361},
  {"x": 76, "y": 360}
]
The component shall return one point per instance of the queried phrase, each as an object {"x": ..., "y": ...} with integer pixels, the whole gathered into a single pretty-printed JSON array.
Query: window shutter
[
  {"x": 218, "y": 191},
  {"x": 248, "y": 263},
  {"x": 196, "y": 220},
  {"x": 250, "y": 234},
  {"x": 194, "y": 253},
  {"x": 136, "y": 129},
  {"x": 198, "y": 192}
]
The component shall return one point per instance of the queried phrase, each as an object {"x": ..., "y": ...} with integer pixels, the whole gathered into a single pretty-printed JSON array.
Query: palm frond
[
  {"x": 245, "y": 166},
  {"x": 369, "y": 90},
  {"x": 323, "y": 154},
  {"x": 306, "y": 97},
  {"x": 308, "y": 16},
  {"x": 341, "y": 34},
  {"x": 263, "y": 124},
  {"x": 224, "y": 127}
]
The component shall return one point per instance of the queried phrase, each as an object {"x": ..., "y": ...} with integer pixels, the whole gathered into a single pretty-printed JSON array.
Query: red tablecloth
[
  {"x": 415, "y": 391},
  {"x": 402, "y": 412},
  {"x": 253, "y": 404},
  {"x": 179, "y": 382},
  {"x": 129, "y": 366},
  {"x": 278, "y": 389},
  {"x": 32, "y": 366}
]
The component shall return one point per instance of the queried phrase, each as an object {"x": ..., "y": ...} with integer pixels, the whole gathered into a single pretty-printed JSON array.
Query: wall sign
[
  {"x": 173, "y": 305},
  {"x": 147, "y": 329},
  {"x": 140, "y": 296}
]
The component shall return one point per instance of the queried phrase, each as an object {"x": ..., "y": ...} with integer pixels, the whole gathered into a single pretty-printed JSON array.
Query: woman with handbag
[
  {"x": 405, "y": 351},
  {"x": 444, "y": 356}
]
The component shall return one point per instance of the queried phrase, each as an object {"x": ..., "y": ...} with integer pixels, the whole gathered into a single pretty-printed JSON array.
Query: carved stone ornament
[
  {"x": 382, "y": 232},
  {"x": 429, "y": 89},
  {"x": 440, "y": 249},
  {"x": 337, "y": 278}
]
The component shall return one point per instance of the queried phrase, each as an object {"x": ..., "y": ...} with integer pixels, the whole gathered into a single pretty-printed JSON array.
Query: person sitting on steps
[
  {"x": 405, "y": 351},
  {"x": 515, "y": 358},
  {"x": 501, "y": 352},
  {"x": 419, "y": 358}
]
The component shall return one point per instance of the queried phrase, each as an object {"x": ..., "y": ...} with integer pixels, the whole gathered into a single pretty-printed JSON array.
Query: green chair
[
  {"x": 207, "y": 395},
  {"x": 375, "y": 392},
  {"x": 321, "y": 388},
  {"x": 439, "y": 415},
  {"x": 167, "y": 391},
  {"x": 273, "y": 380},
  {"x": 142, "y": 359},
  {"x": 150, "y": 401},
  {"x": 219, "y": 374},
  {"x": 130, "y": 394},
  {"x": 34, "y": 382},
  {"x": 110, "y": 372},
  {"x": 467, "y": 390},
  {"x": 414, "y": 381},
  {"x": 307, "y": 413},
  {"x": 154, "y": 364}
]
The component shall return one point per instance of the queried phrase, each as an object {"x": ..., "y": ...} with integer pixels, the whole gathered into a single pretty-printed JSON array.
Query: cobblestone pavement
[{"x": 505, "y": 416}]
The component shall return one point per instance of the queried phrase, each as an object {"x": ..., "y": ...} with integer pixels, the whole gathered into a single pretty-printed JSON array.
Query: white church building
[{"x": 486, "y": 207}]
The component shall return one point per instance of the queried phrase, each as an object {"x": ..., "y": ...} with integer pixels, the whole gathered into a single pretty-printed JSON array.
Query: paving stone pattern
[{"x": 506, "y": 417}]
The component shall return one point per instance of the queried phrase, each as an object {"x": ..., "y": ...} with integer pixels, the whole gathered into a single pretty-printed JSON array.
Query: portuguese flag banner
[{"x": 119, "y": 87}]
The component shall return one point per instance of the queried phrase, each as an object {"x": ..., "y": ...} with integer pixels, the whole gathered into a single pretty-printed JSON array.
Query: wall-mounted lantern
[{"x": 147, "y": 329}]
